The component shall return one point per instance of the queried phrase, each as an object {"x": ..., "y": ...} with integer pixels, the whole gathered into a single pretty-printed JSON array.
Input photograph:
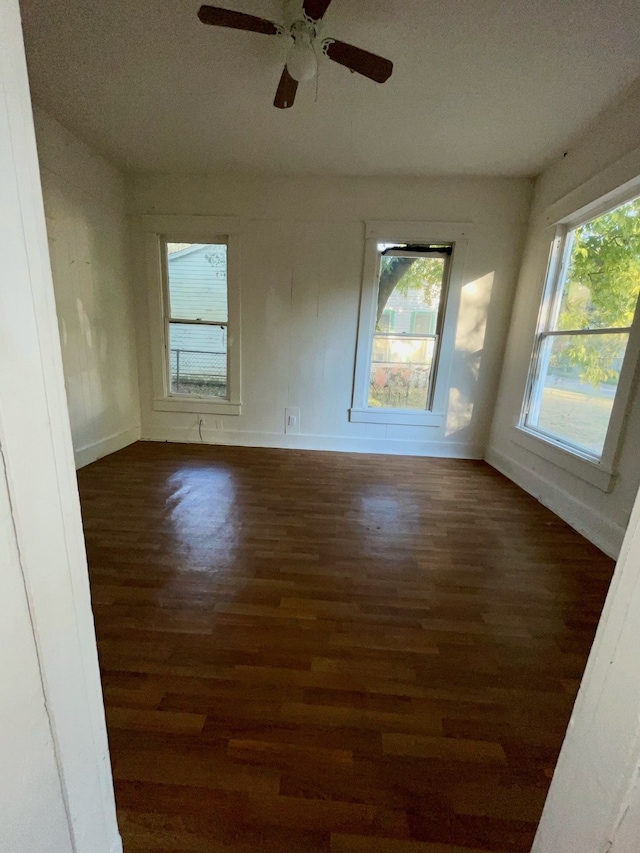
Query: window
[
  {"x": 410, "y": 279},
  {"x": 424, "y": 322},
  {"x": 197, "y": 318},
  {"x": 193, "y": 290},
  {"x": 582, "y": 342},
  {"x": 405, "y": 337},
  {"x": 385, "y": 323}
]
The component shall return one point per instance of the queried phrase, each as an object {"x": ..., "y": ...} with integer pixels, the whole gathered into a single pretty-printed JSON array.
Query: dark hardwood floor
[{"x": 332, "y": 652}]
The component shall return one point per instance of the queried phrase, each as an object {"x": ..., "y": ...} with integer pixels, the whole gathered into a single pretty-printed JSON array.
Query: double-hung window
[
  {"x": 197, "y": 319},
  {"x": 404, "y": 348},
  {"x": 411, "y": 279},
  {"x": 576, "y": 394},
  {"x": 194, "y": 304}
]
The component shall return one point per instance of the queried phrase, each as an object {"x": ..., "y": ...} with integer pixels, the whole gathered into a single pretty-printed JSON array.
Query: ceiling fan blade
[
  {"x": 286, "y": 93},
  {"x": 236, "y": 20},
  {"x": 368, "y": 64},
  {"x": 315, "y": 9}
]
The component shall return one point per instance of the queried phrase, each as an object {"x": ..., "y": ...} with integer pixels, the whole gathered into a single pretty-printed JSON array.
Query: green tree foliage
[
  {"x": 601, "y": 291},
  {"x": 405, "y": 274}
]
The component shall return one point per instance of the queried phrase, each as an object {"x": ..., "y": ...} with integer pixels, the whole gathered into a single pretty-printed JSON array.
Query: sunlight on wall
[{"x": 472, "y": 321}]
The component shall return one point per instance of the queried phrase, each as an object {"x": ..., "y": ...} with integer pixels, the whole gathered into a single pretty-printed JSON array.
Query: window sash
[
  {"x": 411, "y": 335},
  {"x": 609, "y": 330},
  {"x": 221, "y": 323}
]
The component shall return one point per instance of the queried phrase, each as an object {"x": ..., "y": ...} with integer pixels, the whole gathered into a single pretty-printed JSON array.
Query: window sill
[
  {"x": 197, "y": 405},
  {"x": 598, "y": 474},
  {"x": 396, "y": 416}
]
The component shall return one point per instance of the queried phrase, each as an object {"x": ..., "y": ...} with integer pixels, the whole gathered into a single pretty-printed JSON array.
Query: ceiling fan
[{"x": 303, "y": 27}]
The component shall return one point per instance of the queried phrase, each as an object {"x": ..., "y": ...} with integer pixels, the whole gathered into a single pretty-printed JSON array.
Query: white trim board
[
  {"x": 92, "y": 452},
  {"x": 41, "y": 479},
  {"x": 599, "y": 530},
  {"x": 334, "y": 443},
  {"x": 600, "y": 190},
  {"x": 435, "y": 232}
]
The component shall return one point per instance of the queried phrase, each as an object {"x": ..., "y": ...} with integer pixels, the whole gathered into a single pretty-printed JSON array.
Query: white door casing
[{"x": 41, "y": 491}]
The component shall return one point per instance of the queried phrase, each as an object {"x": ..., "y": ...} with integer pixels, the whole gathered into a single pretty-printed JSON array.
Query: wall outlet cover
[{"x": 292, "y": 420}]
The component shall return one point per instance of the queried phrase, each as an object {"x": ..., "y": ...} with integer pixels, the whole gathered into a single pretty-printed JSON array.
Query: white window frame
[
  {"x": 418, "y": 233},
  {"x": 158, "y": 231},
  {"x": 601, "y": 471}
]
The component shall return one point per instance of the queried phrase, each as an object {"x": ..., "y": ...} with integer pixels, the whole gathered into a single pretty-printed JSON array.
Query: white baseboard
[
  {"x": 394, "y": 447},
  {"x": 594, "y": 526},
  {"x": 86, "y": 455}
]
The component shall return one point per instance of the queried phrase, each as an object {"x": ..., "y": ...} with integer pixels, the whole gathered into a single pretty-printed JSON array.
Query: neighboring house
[{"x": 407, "y": 314}]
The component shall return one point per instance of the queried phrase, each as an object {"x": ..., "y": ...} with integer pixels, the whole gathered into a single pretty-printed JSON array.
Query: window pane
[
  {"x": 578, "y": 381},
  {"x": 408, "y": 301},
  {"x": 197, "y": 281},
  {"x": 198, "y": 359},
  {"x": 400, "y": 371},
  {"x": 603, "y": 273}
]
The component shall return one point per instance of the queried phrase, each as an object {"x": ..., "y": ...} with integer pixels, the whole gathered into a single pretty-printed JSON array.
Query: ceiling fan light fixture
[{"x": 302, "y": 62}]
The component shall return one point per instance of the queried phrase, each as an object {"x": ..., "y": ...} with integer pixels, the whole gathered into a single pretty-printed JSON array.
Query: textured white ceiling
[{"x": 479, "y": 86}]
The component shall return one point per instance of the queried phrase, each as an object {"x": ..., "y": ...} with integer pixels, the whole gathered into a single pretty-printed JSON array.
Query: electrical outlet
[
  {"x": 219, "y": 423},
  {"x": 292, "y": 420}
]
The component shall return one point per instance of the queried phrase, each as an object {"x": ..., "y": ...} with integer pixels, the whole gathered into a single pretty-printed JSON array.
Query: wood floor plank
[
  {"x": 285, "y": 754},
  {"x": 447, "y": 749},
  {"x": 145, "y": 720},
  {"x": 331, "y": 653},
  {"x": 341, "y": 843}
]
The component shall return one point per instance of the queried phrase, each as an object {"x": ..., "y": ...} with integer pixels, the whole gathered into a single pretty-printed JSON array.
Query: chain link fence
[{"x": 198, "y": 372}]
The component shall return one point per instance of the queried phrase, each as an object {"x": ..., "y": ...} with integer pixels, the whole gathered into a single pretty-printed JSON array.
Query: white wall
[
  {"x": 56, "y": 791},
  {"x": 604, "y": 159},
  {"x": 29, "y": 781},
  {"x": 302, "y": 253},
  {"x": 88, "y": 241},
  {"x": 594, "y": 800}
]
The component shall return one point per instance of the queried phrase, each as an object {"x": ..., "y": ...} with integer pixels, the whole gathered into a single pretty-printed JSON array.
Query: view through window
[
  {"x": 198, "y": 318},
  {"x": 408, "y": 325},
  {"x": 582, "y": 343}
]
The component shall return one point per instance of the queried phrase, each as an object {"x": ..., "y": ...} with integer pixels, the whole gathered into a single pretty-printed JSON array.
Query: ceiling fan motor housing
[{"x": 302, "y": 61}]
